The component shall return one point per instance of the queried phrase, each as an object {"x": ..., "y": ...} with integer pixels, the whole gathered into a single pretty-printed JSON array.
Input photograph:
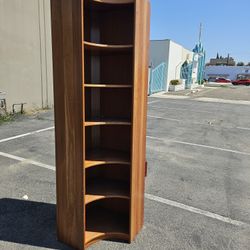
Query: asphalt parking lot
[{"x": 197, "y": 189}]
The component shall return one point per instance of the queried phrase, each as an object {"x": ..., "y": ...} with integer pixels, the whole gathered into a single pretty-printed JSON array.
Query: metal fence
[
  {"x": 186, "y": 72},
  {"x": 157, "y": 79}
]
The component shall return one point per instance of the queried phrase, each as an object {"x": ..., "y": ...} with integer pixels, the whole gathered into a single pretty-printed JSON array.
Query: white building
[
  {"x": 25, "y": 53},
  {"x": 229, "y": 72},
  {"x": 171, "y": 53}
]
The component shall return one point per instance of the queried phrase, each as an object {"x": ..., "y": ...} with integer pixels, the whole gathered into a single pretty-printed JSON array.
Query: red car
[
  {"x": 222, "y": 80},
  {"x": 242, "y": 82}
]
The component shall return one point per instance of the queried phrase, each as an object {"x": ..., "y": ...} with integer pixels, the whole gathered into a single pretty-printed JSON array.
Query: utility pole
[
  {"x": 228, "y": 57},
  {"x": 200, "y": 33},
  {"x": 201, "y": 57}
]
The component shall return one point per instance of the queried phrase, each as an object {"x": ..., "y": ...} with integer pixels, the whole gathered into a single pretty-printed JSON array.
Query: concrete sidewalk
[{"x": 232, "y": 93}]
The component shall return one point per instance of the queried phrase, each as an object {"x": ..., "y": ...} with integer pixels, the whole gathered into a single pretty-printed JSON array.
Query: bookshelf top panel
[{"x": 108, "y": 2}]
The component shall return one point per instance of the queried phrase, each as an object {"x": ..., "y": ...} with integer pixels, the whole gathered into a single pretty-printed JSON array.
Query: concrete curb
[
  {"x": 206, "y": 99},
  {"x": 202, "y": 99}
]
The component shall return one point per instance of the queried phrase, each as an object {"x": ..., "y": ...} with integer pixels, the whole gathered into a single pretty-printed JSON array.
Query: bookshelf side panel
[
  {"x": 68, "y": 98},
  {"x": 142, "y": 17}
]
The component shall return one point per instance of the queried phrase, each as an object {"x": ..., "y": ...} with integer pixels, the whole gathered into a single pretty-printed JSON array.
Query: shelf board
[
  {"x": 107, "y": 85},
  {"x": 113, "y": 1},
  {"x": 101, "y": 157},
  {"x": 106, "y": 122},
  {"x": 105, "y": 224},
  {"x": 92, "y": 237},
  {"x": 98, "y": 189},
  {"x": 97, "y": 46}
]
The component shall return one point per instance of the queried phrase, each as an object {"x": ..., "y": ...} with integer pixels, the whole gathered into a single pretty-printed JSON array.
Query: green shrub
[
  {"x": 6, "y": 118},
  {"x": 175, "y": 82}
]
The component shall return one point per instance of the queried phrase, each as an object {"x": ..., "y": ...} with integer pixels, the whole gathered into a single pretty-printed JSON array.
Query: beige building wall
[
  {"x": 173, "y": 54},
  {"x": 25, "y": 53},
  {"x": 177, "y": 56}
]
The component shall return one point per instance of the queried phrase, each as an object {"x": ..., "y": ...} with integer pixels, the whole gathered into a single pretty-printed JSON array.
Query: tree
[
  {"x": 248, "y": 64},
  {"x": 240, "y": 64}
]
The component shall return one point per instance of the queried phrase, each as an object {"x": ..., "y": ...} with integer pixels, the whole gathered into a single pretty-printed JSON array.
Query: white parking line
[
  {"x": 177, "y": 120},
  {"x": 163, "y": 118},
  {"x": 183, "y": 109},
  {"x": 26, "y": 134},
  {"x": 195, "y": 210},
  {"x": 153, "y": 102},
  {"x": 243, "y": 128},
  {"x": 196, "y": 123},
  {"x": 217, "y": 100},
  {"x": 28, "y": 161},
  {"x": 148, "y": 196},
  {"x": 199, "y": 145}
]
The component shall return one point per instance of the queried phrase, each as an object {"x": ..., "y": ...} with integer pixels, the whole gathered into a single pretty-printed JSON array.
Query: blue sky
[{"x": 225, "y": 25}]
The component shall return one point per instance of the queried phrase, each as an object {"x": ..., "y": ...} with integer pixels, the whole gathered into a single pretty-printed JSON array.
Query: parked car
[
  {"x": 222, "y": 80},
  {"x": 211, "y": 79},
  {"x": 242, "y": 82}
]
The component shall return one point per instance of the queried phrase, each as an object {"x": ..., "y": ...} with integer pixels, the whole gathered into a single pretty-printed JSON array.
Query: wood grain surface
[
  {"x": 141, "y": 46},
  {"x": 67, "y": 68}
]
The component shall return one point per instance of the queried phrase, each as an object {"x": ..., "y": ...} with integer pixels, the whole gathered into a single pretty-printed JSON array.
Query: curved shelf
[
  {"x": 93, "y": 237},
  {"x": 107, "y": 85},
  {"x": 102, "y": 223},
  {"x": 98, "y": 189},
  {"x": 97, "y": 46},
  {"x": 106, "y": 122},
  {"x": 91, "y": 198},
  {"x": 102, "y": 157},
  {"x": 92, "y": 163}
]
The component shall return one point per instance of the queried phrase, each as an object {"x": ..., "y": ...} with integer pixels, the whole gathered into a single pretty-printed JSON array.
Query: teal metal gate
[
  {"x": 157, "y": 79},
  {"x": 186, "y": 72}
]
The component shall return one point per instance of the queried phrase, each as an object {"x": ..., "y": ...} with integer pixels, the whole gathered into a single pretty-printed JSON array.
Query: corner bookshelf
[{"x": 100, "y": 55}]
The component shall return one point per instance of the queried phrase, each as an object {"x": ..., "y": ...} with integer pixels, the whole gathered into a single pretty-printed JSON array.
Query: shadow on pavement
[{"x": 29, "y": 223}]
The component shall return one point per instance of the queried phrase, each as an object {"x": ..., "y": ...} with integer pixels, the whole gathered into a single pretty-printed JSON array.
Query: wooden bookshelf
[{"x": 100, "y": 55}]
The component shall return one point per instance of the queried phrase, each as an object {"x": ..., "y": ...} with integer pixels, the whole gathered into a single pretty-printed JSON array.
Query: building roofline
[
  {"x": 170, "y": 40},
  {"x": 160, "y": 40}
]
